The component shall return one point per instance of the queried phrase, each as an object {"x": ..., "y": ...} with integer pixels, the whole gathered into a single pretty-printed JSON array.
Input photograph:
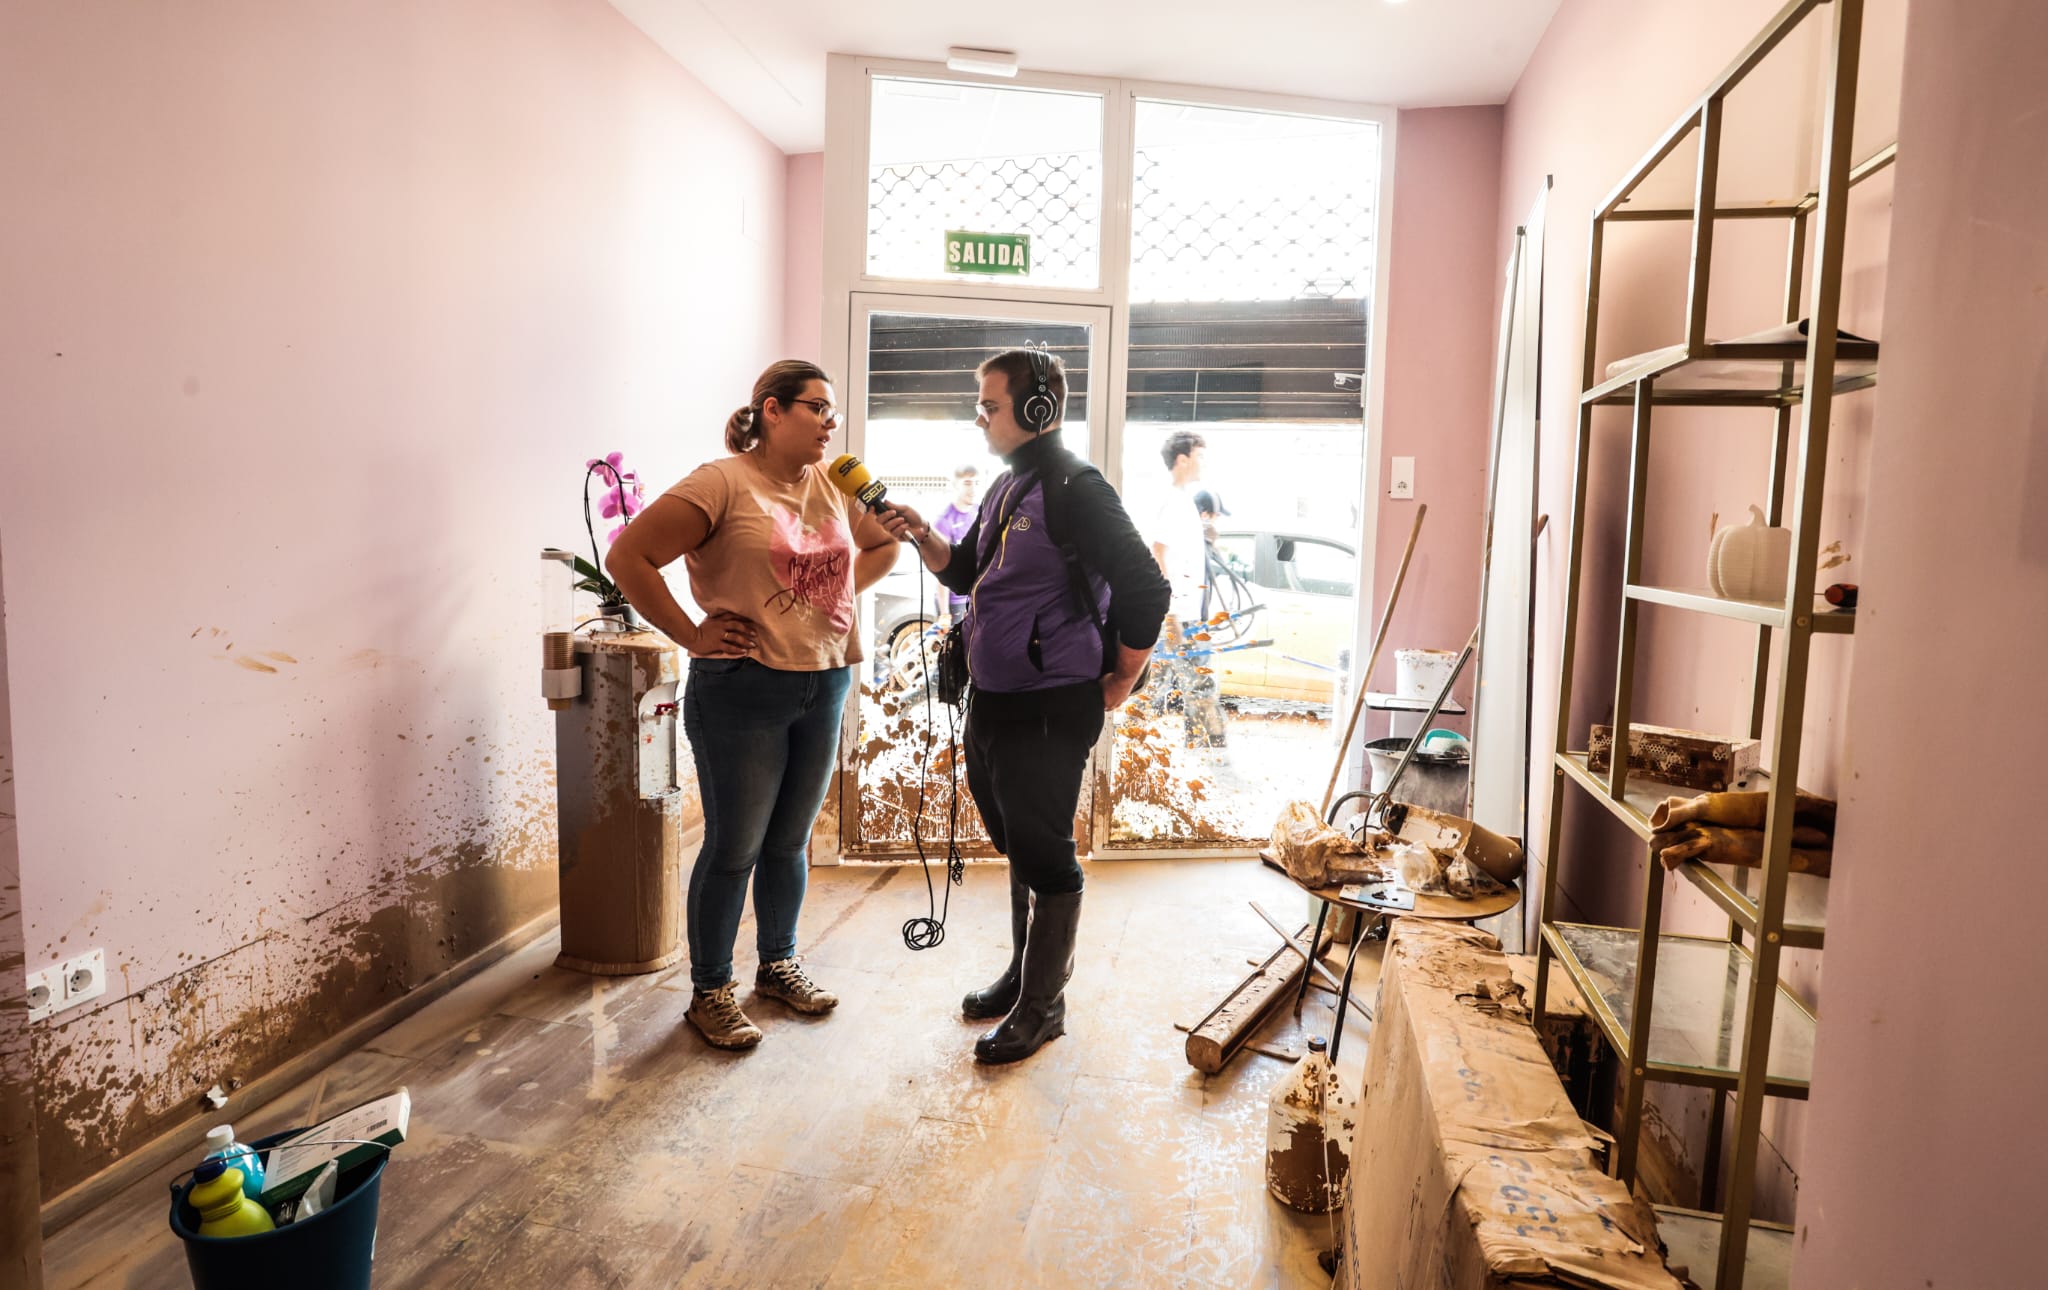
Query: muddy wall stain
[{"x": 119, "y": 1076}]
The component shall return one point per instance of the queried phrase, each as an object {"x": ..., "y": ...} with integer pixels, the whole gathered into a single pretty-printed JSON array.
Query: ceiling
[{"x": 766, "y": 58}]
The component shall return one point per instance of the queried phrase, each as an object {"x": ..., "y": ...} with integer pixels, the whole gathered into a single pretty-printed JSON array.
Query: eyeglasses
[
  {"x": 988, "y": 408},
  {"x": 823, "y": 407}
]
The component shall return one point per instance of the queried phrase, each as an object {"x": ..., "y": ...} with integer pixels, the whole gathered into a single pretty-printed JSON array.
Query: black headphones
[{"x": 1039, "y": 409}]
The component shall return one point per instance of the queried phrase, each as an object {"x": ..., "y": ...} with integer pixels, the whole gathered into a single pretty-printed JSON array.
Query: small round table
[{"x": 1446, "y": 908}]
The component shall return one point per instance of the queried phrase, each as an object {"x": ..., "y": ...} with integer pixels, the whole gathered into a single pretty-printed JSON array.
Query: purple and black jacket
[{"x": 1028, "y": 627}]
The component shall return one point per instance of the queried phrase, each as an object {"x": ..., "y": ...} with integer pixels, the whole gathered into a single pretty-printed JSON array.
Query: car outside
[
  {"x": 1293, "y": 594},
  {"x": 900, "y": 616}
]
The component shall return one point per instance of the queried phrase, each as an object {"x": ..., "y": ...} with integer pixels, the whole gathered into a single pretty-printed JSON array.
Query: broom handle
[{"x": 1379, "y": 638}]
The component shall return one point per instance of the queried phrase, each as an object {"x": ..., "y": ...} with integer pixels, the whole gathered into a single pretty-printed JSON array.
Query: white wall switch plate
[
  {"x": 1401, "y": 479},
  {"x": 45, "y": 992},
  {"x": 84, "y": 977}
]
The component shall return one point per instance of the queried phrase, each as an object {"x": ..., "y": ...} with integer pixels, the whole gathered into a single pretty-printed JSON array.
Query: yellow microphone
[{"x": 850, "y": 476}]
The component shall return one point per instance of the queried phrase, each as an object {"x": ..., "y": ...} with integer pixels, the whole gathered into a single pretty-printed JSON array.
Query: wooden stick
[{"x": 1379, "y": 638}]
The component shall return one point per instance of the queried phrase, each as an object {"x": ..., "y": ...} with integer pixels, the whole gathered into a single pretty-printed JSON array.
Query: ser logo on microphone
[{"x": 851, "y": 477}]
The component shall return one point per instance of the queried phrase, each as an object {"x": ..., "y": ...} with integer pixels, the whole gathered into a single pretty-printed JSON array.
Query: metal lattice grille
[
  {"x": 1244, "y": 243},
  {"x": 1056, "y": 198}
]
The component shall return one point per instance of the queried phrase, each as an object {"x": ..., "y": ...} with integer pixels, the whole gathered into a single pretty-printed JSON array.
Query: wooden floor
[{"x": 572, "y": 1131}]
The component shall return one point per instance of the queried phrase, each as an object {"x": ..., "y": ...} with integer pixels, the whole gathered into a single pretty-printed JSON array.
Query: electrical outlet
[
  {"x": 1401, "y": 479},
  {"x": 84, "y": 977},
  {"x": 45, "y": 993}
]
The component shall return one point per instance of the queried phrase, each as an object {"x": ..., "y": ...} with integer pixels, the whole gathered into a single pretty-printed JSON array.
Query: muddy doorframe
[{"x": 21, "y": 1196}]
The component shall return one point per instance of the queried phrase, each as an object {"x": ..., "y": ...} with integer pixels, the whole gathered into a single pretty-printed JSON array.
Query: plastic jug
[
  {"x": 223, "y": 1209},
  {"x": 1308, "y": 1135},
  {"x": 221, "y": 1146}
]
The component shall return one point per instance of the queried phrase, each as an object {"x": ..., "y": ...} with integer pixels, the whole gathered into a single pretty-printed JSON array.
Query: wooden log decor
[
  {"x": 1215, "y": 1039},
  {"x": 1684, "y": 757}
]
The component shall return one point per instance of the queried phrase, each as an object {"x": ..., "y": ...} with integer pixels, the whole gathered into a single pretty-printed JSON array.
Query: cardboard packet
[{"x": 291, "y": 1169}]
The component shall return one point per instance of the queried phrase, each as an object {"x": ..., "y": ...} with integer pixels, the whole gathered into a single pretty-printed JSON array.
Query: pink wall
[
  {"x": 1927, "y": 1119},
  {"x": 314, "y": 313},
  {"x": 1443, "y": 292},
  {"x": 1607, "y": 79},
  {"x": 803, "y": 292}
]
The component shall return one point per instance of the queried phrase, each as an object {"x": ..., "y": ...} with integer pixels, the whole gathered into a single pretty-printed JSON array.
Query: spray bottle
[{"x": 221, "y": 1146}]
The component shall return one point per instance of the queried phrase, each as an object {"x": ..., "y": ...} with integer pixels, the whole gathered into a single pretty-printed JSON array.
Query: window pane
[
  {"x": 1321, "y": 569},
  {"x": 1252, "y": 268},
  {"x": 922, "y": 442},
  {"x": 1236, "y": 205},
  {"x": 945, "y": 157}
]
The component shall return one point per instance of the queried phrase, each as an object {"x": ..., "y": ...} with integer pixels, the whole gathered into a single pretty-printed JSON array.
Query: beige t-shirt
[{"x": 782, "y": 555}]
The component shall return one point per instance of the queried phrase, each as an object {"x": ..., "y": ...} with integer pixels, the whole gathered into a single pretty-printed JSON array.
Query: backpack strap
[{"x": 1078, "y": 588}]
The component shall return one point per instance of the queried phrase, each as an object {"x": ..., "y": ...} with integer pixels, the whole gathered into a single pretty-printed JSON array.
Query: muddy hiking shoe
[
  {"x": 786, "y": 980},
  {"x": 716, "y": 1015}
]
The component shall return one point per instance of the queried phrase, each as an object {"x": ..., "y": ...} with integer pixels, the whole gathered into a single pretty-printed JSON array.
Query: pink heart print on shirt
[{"x": 814, "y": 566}]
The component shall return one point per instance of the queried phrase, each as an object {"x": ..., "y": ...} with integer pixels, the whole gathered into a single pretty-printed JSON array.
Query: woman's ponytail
[{"x": 740, "y": 432}]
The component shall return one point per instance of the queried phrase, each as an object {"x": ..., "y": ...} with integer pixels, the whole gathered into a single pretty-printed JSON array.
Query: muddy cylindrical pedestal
[{"x": 621, "y": 808}]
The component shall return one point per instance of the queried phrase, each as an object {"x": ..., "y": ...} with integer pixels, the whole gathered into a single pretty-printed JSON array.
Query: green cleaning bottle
[{"x": 223, "y": 1209}]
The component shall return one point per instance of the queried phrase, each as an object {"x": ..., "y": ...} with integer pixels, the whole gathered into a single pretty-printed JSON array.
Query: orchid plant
[{"x": 623, "y": 498}]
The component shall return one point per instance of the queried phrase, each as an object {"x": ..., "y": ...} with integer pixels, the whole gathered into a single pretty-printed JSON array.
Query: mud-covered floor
[{"x": 570, "y": 1131}]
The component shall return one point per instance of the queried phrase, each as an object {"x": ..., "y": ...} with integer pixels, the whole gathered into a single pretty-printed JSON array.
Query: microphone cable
[{"x": 929, "y": 931}]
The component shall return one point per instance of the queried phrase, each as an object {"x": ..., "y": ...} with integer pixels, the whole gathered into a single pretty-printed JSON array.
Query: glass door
[
  {"x": 1252, "y": 269},
  {"x": 910, "y": 395}
]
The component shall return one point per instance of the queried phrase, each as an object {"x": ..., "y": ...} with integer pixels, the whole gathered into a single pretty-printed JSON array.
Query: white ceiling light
[{"x": 982, "y": 62}]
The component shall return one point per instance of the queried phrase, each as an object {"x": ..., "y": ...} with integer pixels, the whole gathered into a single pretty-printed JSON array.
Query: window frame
[{"x": 849, "y": 105}]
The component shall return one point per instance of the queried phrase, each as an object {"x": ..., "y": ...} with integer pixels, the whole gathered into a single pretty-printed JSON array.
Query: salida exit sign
[{"x": 992, "y": 253}]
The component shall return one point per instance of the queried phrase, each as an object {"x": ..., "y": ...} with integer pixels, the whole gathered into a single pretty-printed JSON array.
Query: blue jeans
[{"x": 765, "y": 742}]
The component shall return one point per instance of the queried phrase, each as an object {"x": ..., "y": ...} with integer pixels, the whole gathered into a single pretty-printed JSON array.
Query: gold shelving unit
[{"x": 1687, "y": 1009}]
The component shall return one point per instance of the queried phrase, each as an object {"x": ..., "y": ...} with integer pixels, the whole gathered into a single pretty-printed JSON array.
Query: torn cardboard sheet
[{"x": 1471, "y": 1171}]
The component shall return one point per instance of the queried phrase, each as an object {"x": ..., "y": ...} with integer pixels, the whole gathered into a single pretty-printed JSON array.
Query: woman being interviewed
[{"x": 775, "y": 556}]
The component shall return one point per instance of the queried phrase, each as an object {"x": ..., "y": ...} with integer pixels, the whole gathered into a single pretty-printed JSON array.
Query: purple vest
[{"x": 1024, "y": 629}]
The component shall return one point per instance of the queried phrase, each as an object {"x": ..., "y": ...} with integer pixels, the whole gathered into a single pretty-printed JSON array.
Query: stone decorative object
[{"x": 1688, "y": 758}]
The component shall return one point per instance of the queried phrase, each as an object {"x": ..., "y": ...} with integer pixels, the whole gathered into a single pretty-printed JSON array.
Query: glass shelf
[
  {"x": 1702, "y": 1004},
  {"x": 1767, "y": 613},
  {"x": 1379, "y": 701},
  {"x": 1639, "y": 796},
  {"x": 1767, "y": 374},
  {"x": 1734, "y": 889},
  {"x": 1693, "y": 1240},
  {"x": 1728, "y": 886}
]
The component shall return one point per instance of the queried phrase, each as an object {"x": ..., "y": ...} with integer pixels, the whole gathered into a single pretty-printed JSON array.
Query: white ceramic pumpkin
[{"x": 1750, "y": 561}]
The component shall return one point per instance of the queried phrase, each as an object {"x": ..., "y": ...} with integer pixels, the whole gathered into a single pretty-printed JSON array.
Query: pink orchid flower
[{"x": 625, "y": 501}]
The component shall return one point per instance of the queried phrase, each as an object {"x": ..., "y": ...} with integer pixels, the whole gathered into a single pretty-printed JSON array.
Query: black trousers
[{"x": 1027, "y": 755}]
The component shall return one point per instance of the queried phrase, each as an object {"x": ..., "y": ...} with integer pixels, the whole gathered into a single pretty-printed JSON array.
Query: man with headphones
[{"x": 1064, "y": 604}]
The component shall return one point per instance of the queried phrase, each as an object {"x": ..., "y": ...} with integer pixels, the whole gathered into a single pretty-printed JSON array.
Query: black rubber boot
[
  {"x": 998, "y": 999},
  {"x": 1041, "y": 1011}
]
